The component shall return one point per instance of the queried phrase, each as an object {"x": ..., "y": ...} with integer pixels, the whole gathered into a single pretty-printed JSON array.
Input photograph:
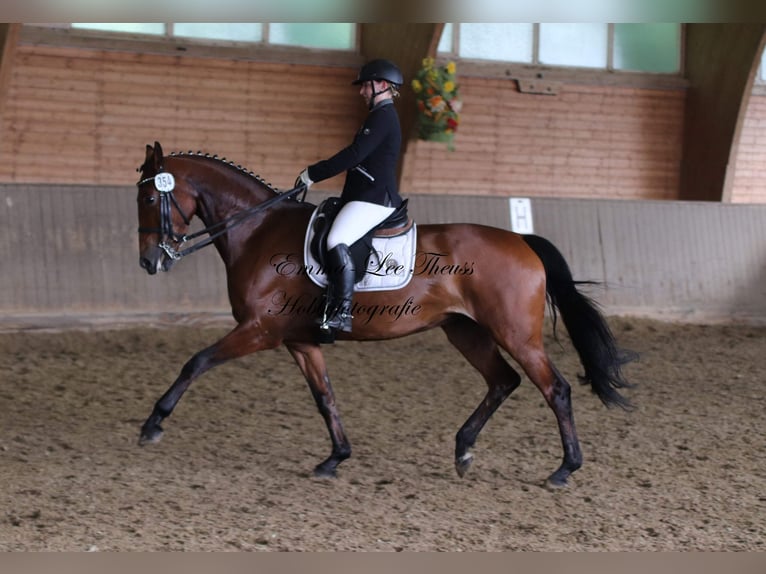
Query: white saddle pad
[{"x": 390, "y": 265}]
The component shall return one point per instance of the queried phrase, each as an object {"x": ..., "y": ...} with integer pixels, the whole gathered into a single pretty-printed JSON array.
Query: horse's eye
[{"x": 150, "y": 200}]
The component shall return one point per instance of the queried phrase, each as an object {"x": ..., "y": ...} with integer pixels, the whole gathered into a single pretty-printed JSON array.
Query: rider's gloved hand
[{"x": 304, "y": 179}]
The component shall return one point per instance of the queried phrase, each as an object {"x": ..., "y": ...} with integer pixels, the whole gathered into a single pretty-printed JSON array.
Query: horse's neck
[
  {"x": 214, "y": 207},
  {"x": 219, "y": 205}
]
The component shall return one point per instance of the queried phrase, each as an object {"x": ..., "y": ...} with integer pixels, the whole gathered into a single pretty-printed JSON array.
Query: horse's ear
[
  {"x": 148, "y": 160},
  {"x": 157, "y": 156}
]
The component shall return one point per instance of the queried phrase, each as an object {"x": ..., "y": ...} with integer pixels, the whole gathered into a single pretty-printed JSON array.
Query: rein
[{"x": 168, "y": 200}]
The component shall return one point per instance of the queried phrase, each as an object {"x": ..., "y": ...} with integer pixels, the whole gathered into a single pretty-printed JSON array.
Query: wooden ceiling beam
[{"x": 721, "y": 61}]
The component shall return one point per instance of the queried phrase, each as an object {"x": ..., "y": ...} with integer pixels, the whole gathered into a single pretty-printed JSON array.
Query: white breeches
[{"x": 354, "y": 220}]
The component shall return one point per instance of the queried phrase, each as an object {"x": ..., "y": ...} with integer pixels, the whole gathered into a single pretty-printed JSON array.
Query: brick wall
[
  {"x": 749, "y": 184},
  {"x": 586, "y": 141},
  {"x": 84, "y": 116}
]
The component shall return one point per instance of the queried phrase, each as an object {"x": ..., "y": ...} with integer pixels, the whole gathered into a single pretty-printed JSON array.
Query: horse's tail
[{"x": 591, "y": 336}]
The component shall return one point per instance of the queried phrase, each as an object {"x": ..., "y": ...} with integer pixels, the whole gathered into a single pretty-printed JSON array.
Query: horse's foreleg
[
  {"x": 239, "y": 342},
  {"x": 477, "y": 345},
  {"x": 312, "y": 364}
]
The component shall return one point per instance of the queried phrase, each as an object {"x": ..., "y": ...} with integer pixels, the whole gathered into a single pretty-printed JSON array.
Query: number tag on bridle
[{"x": 164, "y": 182}]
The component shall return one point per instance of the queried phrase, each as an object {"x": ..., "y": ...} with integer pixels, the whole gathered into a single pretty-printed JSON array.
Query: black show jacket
[{"x": 370, "y": 161}]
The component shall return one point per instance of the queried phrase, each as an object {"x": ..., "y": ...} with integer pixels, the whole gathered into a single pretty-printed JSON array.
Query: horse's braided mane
[{"x": 257, "y": 177}]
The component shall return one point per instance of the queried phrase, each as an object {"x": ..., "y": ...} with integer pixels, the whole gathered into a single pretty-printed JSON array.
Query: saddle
[{"x": 395, "y": 224}]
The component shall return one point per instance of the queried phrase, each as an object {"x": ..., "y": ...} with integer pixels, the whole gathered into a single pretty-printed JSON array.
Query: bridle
[
  {"x": 164, "y": 184},
  {"x": 167, "y": 202}
]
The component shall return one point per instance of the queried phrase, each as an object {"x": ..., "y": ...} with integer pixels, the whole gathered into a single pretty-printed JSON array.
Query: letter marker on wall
[{"x": 521, "y": 215}]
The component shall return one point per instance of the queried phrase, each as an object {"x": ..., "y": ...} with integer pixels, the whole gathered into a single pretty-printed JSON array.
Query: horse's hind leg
[
  {"x": 557, "y": 393},
  {"x": 312, "y": 364},
  {"x": 241, "y": 341},
  {"x": 477, "y": 345}
]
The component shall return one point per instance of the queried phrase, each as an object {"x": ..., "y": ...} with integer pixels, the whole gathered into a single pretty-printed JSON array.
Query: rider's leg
[
  {"x": 352, "y": 223},
  {"x": 354, "y": 220}
]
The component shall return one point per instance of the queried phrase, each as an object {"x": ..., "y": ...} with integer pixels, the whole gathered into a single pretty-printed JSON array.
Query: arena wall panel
[
  {"x": 685, "y": 260},
  {"x": 70, "y": 252}
]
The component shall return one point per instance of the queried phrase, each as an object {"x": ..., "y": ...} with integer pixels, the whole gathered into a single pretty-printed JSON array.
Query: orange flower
[{"x": 437, "y": 103}]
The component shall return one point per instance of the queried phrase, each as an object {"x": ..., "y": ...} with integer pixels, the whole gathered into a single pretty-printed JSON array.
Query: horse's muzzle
[
  {"x": 148, "y": 265},
  {"x": 153, "y": 260}
]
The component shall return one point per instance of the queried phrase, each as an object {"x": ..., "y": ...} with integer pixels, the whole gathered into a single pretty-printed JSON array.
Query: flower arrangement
[{"x": 437, "y": 99}]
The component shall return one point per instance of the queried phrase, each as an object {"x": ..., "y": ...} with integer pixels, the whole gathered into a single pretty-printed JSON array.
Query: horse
[{"x": 487, "y": 288}]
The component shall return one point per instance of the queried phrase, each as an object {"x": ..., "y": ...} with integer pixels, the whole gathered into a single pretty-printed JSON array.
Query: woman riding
[{"x": 370, "y": 192}]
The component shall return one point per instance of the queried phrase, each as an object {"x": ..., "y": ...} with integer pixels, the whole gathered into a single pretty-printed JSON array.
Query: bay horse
[{"x": 485, "y": 287}]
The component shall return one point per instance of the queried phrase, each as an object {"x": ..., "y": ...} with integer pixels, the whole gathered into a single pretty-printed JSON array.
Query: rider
[{"x": 370, "y": 192}]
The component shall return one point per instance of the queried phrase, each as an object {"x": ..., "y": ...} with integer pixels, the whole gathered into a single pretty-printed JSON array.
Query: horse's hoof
[
  {"x": 554, "y": 483},
  {"x": 463, "y": 463},
  {"x": 321, "y": 471},
  {"x": 559, "y": 478},
  {"x": 152, "y": 435},
  {"x": 326, "y": 469}
]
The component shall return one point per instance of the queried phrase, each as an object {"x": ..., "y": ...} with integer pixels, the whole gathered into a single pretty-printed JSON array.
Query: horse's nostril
[{"x": 145, "y": 263}]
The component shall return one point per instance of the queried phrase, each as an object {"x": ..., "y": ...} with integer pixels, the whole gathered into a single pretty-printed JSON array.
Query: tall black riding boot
[{"x": 340, "y": 291}]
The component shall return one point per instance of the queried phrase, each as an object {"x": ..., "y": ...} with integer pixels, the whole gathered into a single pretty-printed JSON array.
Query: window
[
  {"x": 645, "y": 47},
  {"x": 582, "y": 45},
  {"x": 511, "y": 42},
  {"x": 329, "y": 36},
  {"x": 247, "y": 32},
  {"x": 145, "y": 28}
]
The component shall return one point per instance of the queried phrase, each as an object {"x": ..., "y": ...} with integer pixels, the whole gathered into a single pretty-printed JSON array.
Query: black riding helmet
[{"x": 380, "y": 70}]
